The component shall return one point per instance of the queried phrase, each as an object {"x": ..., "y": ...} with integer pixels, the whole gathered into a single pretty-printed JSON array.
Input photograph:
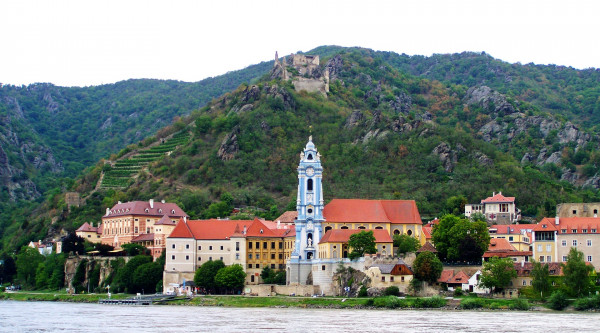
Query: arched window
[
  {"x": 409, "y": 232},
  {"x": 309, "y": 185},
  {"x": 362, "y": 227},
  {"x": 396, "y": 232},
  {"x": 327, "y": 229},
  {"x": 378, "y": 227},
  {"x": 309, "y": 157},
  {"x": 344, "y": 227}
]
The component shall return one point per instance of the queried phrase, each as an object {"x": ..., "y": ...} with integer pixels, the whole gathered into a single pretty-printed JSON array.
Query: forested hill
[
  {"x": 49, "y": 132},
  {"x": 383, "y": 132}
]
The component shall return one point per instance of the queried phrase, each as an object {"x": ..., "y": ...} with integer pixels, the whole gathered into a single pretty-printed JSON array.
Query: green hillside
[{"x": 383, "y": 132}]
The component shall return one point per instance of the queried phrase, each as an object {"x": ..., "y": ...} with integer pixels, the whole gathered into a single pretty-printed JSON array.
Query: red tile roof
[
  {"x": 143, "y": 208},
  {"x": 343, "y": 235},
  {"x": 446, "y": 275},
  {"x": 460, "y": 277},
  {"x": 143, "y": 238},
  {"x": 500, "y": 245},
  {"x": 498, "y": 198},
  {"x": 427, "y": 247},
  {"x": 524, "y": 269},
  {"x": 225, "y": 229},
  {"x": 546, "y": 224},
  {"x": 427, "y": 231},
  {"x": 375, "y": 211},
  {"x": 577, "y": 224},
  {"x": 506, "y": 229}
]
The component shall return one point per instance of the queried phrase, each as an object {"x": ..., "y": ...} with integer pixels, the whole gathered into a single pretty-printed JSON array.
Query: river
[{"x": 18, "y": 316}]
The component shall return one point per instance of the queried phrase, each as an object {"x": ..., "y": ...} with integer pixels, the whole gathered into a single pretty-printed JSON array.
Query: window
[
  {"x": 199, "y": 247},
  {"x": 595, "y": 211},
  {"x": 257, "y": 265},
  {"x": 548, "y": 258},
  {"x": 257, "y": 245},
  {"x": 402, "y": 279},
  {"x": 391, "y": 279},
  {"x": 221, "y": 258},
  {"x": 574, "y": 211},
  {"x": 210, "y": 248},
  {"x": 510, "y": 238},
  {"x": 258, "y": 256},
  {"x": 199, "y": 258},
  {"x": 221, "y": 247},
  {"x": 187, "y": 257},
  {"x": 383, "y": 279},
  {"x": 249, "y": 255},
  {"x": 172, "y": 246},
  {"x": 524, "y": 282},
  {"x": 589, "y": 258},
  {"x": 539, "y": 248},
  {"x": 564, "y": 242},
  {"x": 589, "y": 242},
  {"x": 272, "y": 266},
  {"x": 272, "y": 255},
  {"x": 280, "y": 245},
  {"x": 272, "y": 245},
  {"x": 237, "y": 256},
  {"x": 173, "y": 257},
  {"x": 148, "y": 230},
  {"x": 209, "y": 258},
  {"x": 574, "y": 231},
  {"x": 187, "y": 246},
  {"x": 265, "y": 245},
  {"x": 135, "y": 230},
  {"x": 237, "y": 246},
  {"x": 280, "y": 256},
  {"x": 574, "y": 242},
  {"x": 564, "y": 258},
  {"x": 309, "y": 185},
  {"x": 585, "y": 231},
  {"x": 251, "y": 278},
  {"x": 564, "y": 231},
  {"x": 249, "y": 265},
  {"x": 593, "y": 231},
  {"x": 548, "y": 248},
  {"x": 541, "y": 258}
]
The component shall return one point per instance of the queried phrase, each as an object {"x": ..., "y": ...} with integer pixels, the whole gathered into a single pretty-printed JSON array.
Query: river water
[{"x": 78, "y": 317}]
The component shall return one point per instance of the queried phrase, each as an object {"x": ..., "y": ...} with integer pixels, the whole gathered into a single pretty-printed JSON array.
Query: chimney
[
  {"x": 119, "y": 202},
  {"x": 595, "y": 215},
  {"x": 107, "y": 211},
  {"x": 151, "y": 203},
  {"x": 162, "y": 201},
  {"x": 245, "y": 229},
  {"x": 493, "y": 193},
  {"x": 557, "y": 220},
  {"x": 278, "y": 224},
  {"x": 185, "y": 219}
]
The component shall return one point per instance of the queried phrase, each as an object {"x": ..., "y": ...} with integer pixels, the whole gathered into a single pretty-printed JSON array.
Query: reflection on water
[{"x": 76, "y": 317}]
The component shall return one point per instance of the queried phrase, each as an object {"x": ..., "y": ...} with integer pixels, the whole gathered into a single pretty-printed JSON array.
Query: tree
[
  {"x": 576, "y": 274},
  {"x": 427, "y": 267},
  {"x": 28, "y": 261},
  {"x": 456, "y": 205},
  {"x": 123, "y": 280},
  {"x": 497, "y": 273},
  {"x": 133, "y": 249},
  {"x": 458, "y": 238},
  {"x": 146, "y": 276},
  {"x": 361, "y": 243},
  {"x": 540, "y": 278},
  {"x": 73, "y": 243},
  {"x": 405, "y": 244},
  {"x": 270, "y": 276},
  {"x": 205, "y": 274},
  {"x": 8, "y": 268},
  {"x": 231, "y": 277}
]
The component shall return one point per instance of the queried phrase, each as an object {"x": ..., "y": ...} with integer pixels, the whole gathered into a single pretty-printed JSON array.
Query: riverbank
[{"x": 388, "y": 302}]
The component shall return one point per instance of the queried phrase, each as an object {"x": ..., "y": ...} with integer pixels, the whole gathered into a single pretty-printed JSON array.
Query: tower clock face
[{"x": 310, "y": 172}]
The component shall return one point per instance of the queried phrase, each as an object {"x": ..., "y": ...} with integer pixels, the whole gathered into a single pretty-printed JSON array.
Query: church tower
[{"x": 309, "y": 204}]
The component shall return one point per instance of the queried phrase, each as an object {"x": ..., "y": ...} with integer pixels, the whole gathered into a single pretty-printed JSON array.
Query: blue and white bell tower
[{"x": 309, "y": 204}]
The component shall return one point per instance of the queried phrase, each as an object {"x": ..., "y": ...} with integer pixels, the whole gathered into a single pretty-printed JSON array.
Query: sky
[{"x": 82, "y": 43}]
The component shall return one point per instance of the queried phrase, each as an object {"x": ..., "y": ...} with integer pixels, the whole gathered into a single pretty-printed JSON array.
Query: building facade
[
  {"x": 90, "y": 233},
  {"x": 497, "y": 209},
  {"x": 142, "y": 221}
]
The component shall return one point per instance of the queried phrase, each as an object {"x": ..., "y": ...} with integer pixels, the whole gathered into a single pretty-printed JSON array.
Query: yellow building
[
  {"x": 90, "y": 233},
  {"x": 518, "y": 235},
  {"x": 544, "y": 247},
  {"x": 334, "y": 244}
]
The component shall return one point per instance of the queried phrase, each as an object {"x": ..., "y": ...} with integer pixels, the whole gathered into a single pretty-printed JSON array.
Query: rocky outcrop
[
  {"x": 489, "y": 100},
  {"x": 569, "y": 176},
  {"x": 483, "y": 159},
  {"x": 335, "y": 66},
  {"x": 229, "y": 146},
  {"x": 543, "y": 157},
  {"x": 402, "y": 103},
  {"x": 447, "y": 156},
  {"x": 355, "y": 118}
]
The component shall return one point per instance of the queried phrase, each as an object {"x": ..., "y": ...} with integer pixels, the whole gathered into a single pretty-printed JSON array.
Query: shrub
[
  {"x": 391, "y": 291},
  {"x": 520, "y": 304},
  {"x": 362, "y": 292},
  {"x": 369, "y": 302},
  {"x": 429, "y": 303},
  {"x": 588, "y": 303},
  {"x": 390, "y": 302},
  {"x": 558, "y": 300},
  {"x": 472, "y": 303},
  {"x": 458, "y": 292}
]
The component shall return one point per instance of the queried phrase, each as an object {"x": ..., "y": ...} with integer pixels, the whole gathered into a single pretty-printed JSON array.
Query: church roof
[
  {"x": 375, "y": 211},
  {"x": 343, "y": 235}
]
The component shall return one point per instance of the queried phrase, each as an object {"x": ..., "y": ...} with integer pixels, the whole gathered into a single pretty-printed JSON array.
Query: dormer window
[
  {"x": 544, "y": 226},
  {"x": 160, "y": 210},
  {"x": 172, "y": 211},
  {"x": 564, "y": 231},
  {"x": 146, "y": 210},
  {"x": 574, "y": 231},
  {"x": 261, "y": 231}
]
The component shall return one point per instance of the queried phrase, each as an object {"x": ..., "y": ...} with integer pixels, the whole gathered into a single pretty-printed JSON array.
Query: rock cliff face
[{"x": 21, "y": 156}]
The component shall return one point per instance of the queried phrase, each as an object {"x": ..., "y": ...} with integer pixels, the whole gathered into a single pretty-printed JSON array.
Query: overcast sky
[{"x": 80, "y": 43}]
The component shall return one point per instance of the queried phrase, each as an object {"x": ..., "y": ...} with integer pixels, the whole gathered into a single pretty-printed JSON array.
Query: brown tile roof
[
  {"x": 446, "y": 275},
  {"x": 427, "y": 247},
  {"x": 343, "y": 235},
  {"x": 143, "y": 208},
  {"x": 288, "y": 217},
  {"x": 377, "y": 211},
  {"x": 143, "y": 238},
  {"x": 524, "y": 268},
  {"x": 460, "y": 277},
  {"x": 86, "y": 227},
  {"x": 165, "y": 220}
]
